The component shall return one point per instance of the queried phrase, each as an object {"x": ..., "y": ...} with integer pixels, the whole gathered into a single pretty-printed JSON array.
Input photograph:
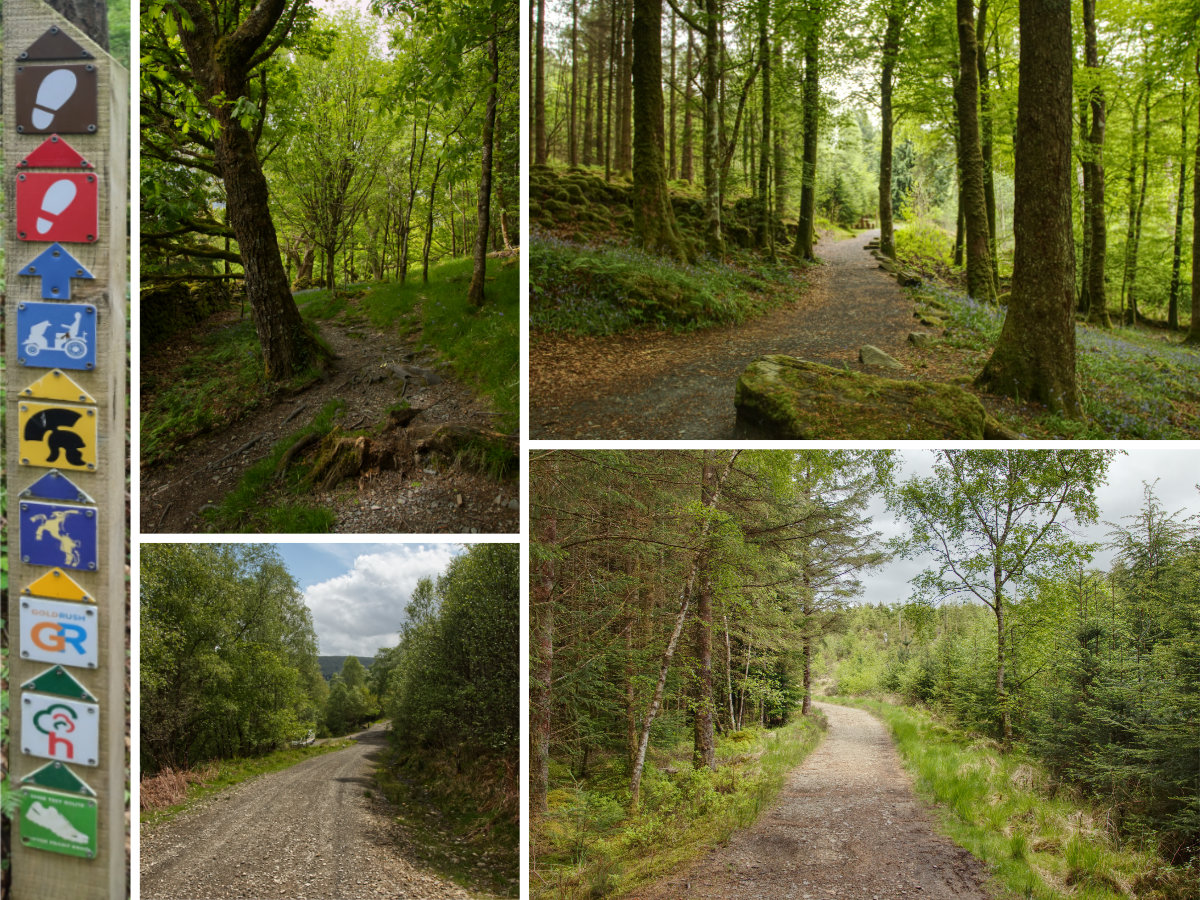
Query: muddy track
[
  {"x": 680, "y": 386},
  {"x": 429, "y": 498},
  {"x": 310, "y": 832},
  {"x": 846, "y": 825}
]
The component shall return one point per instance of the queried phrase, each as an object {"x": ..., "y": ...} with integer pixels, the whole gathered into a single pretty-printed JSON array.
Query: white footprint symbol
[
  {"x": 55, "y": 90},
  {"x": 58, "y": 198}
]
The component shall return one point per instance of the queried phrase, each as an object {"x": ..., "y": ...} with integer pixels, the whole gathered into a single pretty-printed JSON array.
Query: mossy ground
[{"x": 585, "y": 278}]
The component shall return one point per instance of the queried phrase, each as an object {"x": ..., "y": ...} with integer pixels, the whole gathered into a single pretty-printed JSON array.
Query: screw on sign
[
  {"x": 53, "y": 206},
  {"x": 56, "y": 632},
  {"x": 54, "y": 534},
  {"x": 55, "y": 266},
  {"x": 57, "y": 335},
  {"x": 62, "y": 99}
]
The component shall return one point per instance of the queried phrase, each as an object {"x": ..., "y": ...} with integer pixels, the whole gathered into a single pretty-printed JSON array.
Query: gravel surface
[
  {"x": 668, "y": 385},
  {"x": 845, "y": 825},
  {"x": 309, "y": 832}
]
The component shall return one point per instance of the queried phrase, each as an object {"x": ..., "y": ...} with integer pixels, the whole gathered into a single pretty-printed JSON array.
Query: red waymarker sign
[{"x": 57, "y": 207}]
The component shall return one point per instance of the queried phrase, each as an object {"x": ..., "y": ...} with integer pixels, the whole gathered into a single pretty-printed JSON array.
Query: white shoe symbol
[
  {"x": 55, "y": 90},
  {"x": 58, "y": 197},
  {"x": 52, "y": 820}
]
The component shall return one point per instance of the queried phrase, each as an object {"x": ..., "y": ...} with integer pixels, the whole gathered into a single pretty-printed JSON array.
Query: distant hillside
[{"x": 332, "y": 665}]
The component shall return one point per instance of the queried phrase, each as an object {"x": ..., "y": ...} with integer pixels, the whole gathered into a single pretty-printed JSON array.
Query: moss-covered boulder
[{"x": 781, "y": 397}]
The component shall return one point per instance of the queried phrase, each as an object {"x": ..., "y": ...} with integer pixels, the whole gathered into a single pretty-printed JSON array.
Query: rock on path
[
  {"x": 309, "y": 832},
  {"x": 846, "y": 825}
]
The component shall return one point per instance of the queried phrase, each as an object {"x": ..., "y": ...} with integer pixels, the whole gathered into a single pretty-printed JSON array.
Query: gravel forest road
[
  {"x": 846, "y": 825},
  {"x": 307, "y": 832}
]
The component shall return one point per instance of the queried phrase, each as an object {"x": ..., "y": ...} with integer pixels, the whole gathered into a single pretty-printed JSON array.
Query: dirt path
[
  {"x": 305, "y": 833},
  {"x": 666, "y": 385},
  {"x": 845, "y": 825},
  {"x": 424, "y": 500}
]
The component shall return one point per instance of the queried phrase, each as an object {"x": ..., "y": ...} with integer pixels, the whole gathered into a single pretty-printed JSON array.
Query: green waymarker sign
[
  {"x": 59, "y": 823},
  {"x": 58, "y": 777}
]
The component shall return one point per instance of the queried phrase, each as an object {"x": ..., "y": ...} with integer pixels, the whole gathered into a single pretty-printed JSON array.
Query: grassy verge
[
  {"x": 225, "y": 773},
  {"x": 590, "y": 846},
  {"x": 461, "y": 824},
  {"x": 1038, "y": 839},
  {"x": 1135, "y": 383},
  {"x": 607, "y": 288},
  {"x": 245, "y": 508},
  {"x": 481, "y": 345}
]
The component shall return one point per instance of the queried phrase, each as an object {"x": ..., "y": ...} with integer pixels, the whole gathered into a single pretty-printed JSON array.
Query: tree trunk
[
  {"x": 1084, "y": 304},
  {"x": 1137, "y": 222},
  {"x": 704, "y": 746},
  {"x": 1180, "y": 200},
  {"x": 437, "y": 171},
  {"x": 614, "y": 98},
  {"x": 586, "y": 141},
  {"x": 979, "y": 264},
  {"x": 625, "y": 145},
  {"x": 764, "y": 163},
  {"x": 475, "y": 291},
  {"x": 1034, "y": 357},
  {"x": 539, "y": 87},
  {"x": 806, "y": 708},
  {"x": 808, "y": 184},
  {"x": 780, "y": 180},
  {"x": 685, "y": 156},
  {"x": 1130, "y": 268},
  {"x": 572, "y": 116},
  {"x": 985, "y": 137},
  {"x": 598, "y": 130},
  {"x": 1193, "y": 336},
  {"x": 90, "y": 16},
  {"x": 542, "y": 677},
  {"x": 673, "y": 88},
  {"x": 891, "y": 49},
  {"x": 1001, "y": 695},
  {"x": 1097, "y": 224},
  {"x": 729, "y": 676},
  {"x": 653, "y": 218},
  {"x": 714, "y": 240}
]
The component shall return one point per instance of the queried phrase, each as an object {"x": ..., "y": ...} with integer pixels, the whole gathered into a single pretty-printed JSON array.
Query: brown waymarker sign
[{"x": 66, "y": 536}]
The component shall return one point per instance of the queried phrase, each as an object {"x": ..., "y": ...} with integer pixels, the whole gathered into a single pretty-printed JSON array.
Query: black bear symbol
[{"x": 55, "y": 422}]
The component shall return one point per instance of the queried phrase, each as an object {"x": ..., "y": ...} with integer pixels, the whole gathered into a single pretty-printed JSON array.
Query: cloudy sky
[
  {"x": 357, "y": 592},
  {"x": 1176, "y": 468}
]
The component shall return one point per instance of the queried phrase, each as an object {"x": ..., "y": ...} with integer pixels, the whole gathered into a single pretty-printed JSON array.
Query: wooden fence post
[{"x": 66, "y": 156}]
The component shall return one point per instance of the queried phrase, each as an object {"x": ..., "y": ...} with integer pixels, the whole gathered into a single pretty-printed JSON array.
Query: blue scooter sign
[{"x": 56, "y": 335}]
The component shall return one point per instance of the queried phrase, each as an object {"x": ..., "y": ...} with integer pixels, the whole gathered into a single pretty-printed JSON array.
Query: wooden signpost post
[{"x": 66, "y": 157}]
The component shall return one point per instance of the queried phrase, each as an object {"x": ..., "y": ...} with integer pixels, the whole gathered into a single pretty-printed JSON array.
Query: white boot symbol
[
  {"x": 58, "y": 198},
  {"x": 55, "y": 90},
  {"x": 52, "y": 820}
]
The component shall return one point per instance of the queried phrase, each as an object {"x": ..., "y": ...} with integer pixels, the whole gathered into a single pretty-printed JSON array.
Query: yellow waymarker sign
[
  {"x": 58, "y": 585},
  {"x": 57, "y": 385},
  {"x": 57, "y": 435}
]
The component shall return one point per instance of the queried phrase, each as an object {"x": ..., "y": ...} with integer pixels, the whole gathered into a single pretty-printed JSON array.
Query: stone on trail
[
  {"x": 920, "y": 339},
  {"x": 873, "y": 356},
  {"x": 781, "y": 397}
]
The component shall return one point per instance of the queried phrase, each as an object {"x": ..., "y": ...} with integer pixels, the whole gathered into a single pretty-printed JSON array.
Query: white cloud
[{"x": 362, "y": 610}]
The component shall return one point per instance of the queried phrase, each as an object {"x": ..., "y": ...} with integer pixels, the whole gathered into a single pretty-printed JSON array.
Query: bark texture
[
  {"x": 974, "y": 200},
  {"x": 1097, "y": 228},
  {"x": 539, "y": 88},
  {"x": 653, "y": 218},
  {"x": 479, "y": 269},
  {"x": 712, "y": 132},
  {"x": 808, "y": 184},
  {"x": 891, "y": 49},
  {"x": 1034, "y": 357}
]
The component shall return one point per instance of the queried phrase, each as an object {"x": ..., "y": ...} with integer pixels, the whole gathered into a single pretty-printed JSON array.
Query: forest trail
[
  {"x": 308, "y": 832},
  {"x": 845, "y": 825},
  {"x": 664, "y": 385},
  {"x": 174, "y": 494}
]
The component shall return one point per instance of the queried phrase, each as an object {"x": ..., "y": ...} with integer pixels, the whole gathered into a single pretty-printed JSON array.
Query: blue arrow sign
[{"x": 56, "y": 267}]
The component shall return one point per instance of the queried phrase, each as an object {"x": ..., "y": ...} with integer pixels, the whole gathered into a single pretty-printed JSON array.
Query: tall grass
[
  {"x": 590, "y": 845},
  {"x": 1038, "y": 839}
]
